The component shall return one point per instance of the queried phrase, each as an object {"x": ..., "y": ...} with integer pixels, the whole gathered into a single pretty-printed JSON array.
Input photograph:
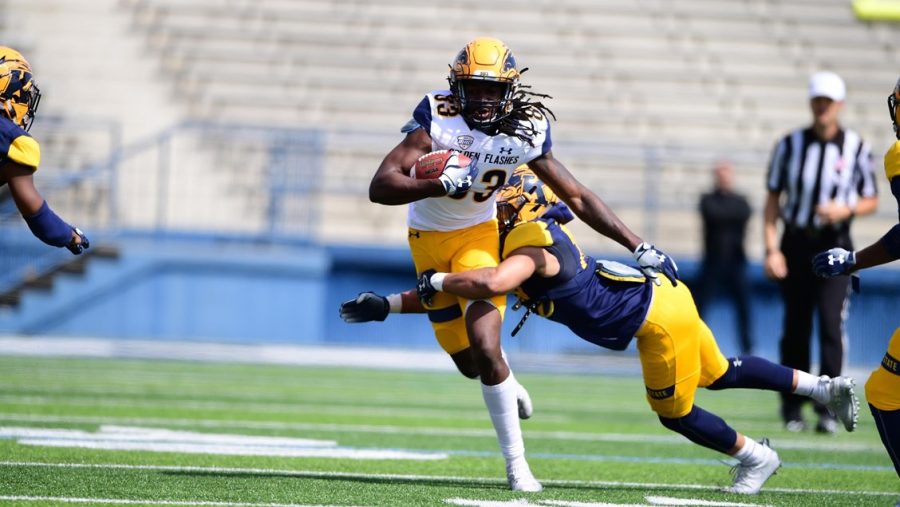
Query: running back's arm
[
  {"x": 392, "y": 184},
  {"x": 584, "y": 203}
]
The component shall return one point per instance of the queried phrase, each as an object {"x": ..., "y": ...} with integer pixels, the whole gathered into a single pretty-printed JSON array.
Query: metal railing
[{"x": 194, "y": 177}]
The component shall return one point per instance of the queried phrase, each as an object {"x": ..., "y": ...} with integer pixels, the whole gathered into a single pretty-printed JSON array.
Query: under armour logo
[
  {"x": 737, "y": 362},
  {"x": 414, "y": 234},
  {"x": 506, "y": 151}
]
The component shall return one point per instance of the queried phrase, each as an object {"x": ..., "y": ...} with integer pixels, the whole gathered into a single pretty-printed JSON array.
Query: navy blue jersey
[{"x": 603, "y": 310}]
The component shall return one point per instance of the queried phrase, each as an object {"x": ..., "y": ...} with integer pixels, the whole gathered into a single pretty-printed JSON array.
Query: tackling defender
[
  {"x": 20, "y": 154},
  {"x": 883, "y": 386},
  {"x": 489, "y": 117},
  {"x": 607, "y": 303}
]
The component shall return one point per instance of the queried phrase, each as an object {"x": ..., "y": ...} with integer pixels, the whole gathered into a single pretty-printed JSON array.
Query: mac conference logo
[{"x": 464, "y": 141}]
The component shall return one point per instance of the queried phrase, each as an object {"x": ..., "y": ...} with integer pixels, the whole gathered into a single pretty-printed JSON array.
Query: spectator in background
[
  {"x": 824, "y": 174},
  {"x": 725, "y": 214}
]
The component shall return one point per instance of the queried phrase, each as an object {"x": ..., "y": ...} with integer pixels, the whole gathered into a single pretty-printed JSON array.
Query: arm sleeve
[{"x": 49, "y": 228}]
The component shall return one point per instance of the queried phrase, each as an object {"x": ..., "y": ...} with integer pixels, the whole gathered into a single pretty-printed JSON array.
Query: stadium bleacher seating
[{"x": 647, "y": 92}]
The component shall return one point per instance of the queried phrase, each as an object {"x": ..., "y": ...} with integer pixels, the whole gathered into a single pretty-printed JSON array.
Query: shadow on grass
[{"x": 492, "y": 484}]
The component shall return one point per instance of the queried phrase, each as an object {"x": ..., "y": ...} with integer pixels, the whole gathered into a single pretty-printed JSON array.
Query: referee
[{"x": 819, "y": 178}]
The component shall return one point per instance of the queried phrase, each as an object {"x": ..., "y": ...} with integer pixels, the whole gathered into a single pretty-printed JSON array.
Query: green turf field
[{"x": 82, "y": 430}]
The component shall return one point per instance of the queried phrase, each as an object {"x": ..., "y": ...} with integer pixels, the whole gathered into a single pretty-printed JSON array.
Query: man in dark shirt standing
[{"x": 725, "y": 214}]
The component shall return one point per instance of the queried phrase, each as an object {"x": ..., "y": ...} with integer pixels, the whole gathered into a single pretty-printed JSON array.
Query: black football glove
[
  {"x": 834, "y": 262},
  {"x": 367, "y": 307},
  {"x": 424, "y": 288},
  {"x": 77, "y": 248}
]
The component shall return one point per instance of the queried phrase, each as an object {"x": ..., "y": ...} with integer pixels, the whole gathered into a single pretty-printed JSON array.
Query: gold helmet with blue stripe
[
  {"x": 893, "y": 102},
  {"x": 489, "y": 63},
  {"x": 522, "y": 199},
  {"x": 19, "y": 95}
]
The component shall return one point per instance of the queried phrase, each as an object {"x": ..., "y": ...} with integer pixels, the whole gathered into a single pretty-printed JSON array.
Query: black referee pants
[{"x": 803, "y": 292}]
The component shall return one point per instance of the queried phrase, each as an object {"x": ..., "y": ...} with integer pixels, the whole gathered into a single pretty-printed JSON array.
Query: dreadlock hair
[{"x": 526, "y": 109}]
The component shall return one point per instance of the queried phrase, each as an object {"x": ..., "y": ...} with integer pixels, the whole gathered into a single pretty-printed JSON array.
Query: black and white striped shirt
[{"x": 813, "y": 172}]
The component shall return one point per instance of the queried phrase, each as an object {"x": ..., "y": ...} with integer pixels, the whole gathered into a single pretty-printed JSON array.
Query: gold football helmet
[
  {"x": 523, "y": 198},
  {"x": 19, "y": 95},
  {"x": 893, "y": 102},
  {"x": 490, "y": 63}
]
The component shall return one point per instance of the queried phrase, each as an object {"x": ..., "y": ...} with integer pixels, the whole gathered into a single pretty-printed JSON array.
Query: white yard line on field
[
  {"x": 314, "y": 474},
  {"x": 651, "y": 501},
  {"x": 128, "y": 438},
  {"x": 128, "y": 501},
  {"x": 474, "y": 414},
  {"x": 358, "y": 357},
  {"x": 669, "y": 501},
  {"x": 153, "y": 439},
  {"x": 311, "y": 355},
  {"x": 821, "y": 445},
  {"x": 228, "y": 352}
]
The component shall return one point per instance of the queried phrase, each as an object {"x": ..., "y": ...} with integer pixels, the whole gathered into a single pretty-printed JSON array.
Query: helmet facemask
[
  {"x": 484, "y": 102},
  {"x": 484, "y": 78},
  {"x": 893, "y": 101},
  {"x": 508, "y": 214},
  {"x": 19, "y": 95},
  {"x": 522, "y": 199},
  {"x": 25, "y": 105}
]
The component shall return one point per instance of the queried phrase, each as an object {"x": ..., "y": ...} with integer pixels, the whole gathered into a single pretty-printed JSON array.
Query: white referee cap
[{"x": 827, "y": 84}]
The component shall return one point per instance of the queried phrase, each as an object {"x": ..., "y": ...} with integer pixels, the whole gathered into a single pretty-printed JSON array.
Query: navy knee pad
[{"x": 703, "y": 428}]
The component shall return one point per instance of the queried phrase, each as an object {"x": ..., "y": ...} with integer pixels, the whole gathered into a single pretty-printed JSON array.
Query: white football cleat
[
  {"x": 748, "y": 480},
  {"x": 524, "y": 403},
  {"x": 843, "y": 402},
  {"x": 520, "y": 478}
]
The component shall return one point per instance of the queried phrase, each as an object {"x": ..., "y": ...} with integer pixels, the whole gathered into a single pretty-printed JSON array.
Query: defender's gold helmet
[
  {"x": 523, "y": 198},
  {"x": 19, "y": 95},
  {"x": 893, "y": 102},
  {"x": 487, "y": 60}
]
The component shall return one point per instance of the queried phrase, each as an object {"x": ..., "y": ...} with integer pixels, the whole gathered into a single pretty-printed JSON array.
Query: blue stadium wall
[{"x": 245, "y": 293}]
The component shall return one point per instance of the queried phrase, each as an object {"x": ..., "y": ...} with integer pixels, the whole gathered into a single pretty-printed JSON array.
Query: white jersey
[{"x": 497, "y": 156}]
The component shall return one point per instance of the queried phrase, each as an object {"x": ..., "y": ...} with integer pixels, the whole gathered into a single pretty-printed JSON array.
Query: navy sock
[
  {"x": 751, "y": 372},
  {"x": 703, "y": 428}
]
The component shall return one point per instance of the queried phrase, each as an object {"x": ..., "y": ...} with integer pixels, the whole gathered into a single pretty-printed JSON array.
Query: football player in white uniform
[{"x": 452, "y": 226}]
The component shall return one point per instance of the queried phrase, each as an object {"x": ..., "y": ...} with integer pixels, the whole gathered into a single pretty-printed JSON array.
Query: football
[{"x": 432, "y": 165}]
